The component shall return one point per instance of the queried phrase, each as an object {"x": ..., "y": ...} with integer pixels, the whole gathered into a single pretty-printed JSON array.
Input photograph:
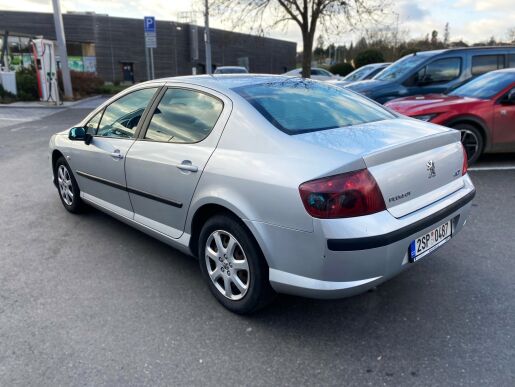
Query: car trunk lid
[{"x": 414, "y": 163}]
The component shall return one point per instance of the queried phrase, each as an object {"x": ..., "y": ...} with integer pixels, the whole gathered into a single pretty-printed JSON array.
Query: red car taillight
[
  {"x": 465, "y": 166},
  {"x": 342, "y": 196}
]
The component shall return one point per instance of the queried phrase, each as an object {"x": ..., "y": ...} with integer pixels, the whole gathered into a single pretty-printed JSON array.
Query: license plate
[{"x": 426, "y": 243}]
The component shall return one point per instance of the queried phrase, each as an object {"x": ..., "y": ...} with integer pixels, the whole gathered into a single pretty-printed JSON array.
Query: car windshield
[
  {"x": 485, "y": 86},
  {"x": 231, "y": 70},
  {"x": 298, "y": 105},
  {"x": 400, "y": 68},
  {"x": 358, "y": 74}
]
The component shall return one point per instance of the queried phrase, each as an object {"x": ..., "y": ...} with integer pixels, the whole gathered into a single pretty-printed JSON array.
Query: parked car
[
  {"x": 231, "y": 70},
  {"x": 362, "y": 73},
  {"x": 316, "y": 73},
  {"x": 276, "y": 184},
  {"x": 483, "y": 110},
  {"x": 434, "y": 71}
]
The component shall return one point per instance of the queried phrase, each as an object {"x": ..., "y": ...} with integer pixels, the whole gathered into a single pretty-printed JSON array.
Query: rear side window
[
  {"x": 484, "y": 63},
  {"x": 511, "y": 60},
  {"x": 441, "y": 70},
  {"x": 298, "y": 105},
  {"x": 184, "y": 116}
]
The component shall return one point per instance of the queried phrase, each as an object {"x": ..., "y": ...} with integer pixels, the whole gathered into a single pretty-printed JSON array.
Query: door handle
[
  {"x": 504, "y": 113},
  {"x": 116, "y": 154},
  {"x": 187, "y": 166}
]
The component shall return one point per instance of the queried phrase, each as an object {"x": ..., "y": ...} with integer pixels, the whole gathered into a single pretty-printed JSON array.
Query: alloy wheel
[
  {"x": 65, "y": 184},
  {"x": 227, "y": 265},
  {"x": 470, "y": 142}
]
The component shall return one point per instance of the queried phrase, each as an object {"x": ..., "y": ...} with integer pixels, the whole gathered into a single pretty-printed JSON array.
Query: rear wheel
[
  {"x": 472, "y": 140},
  {"x": 67, "y": 186},
  {"x": 233, "y": 265}
]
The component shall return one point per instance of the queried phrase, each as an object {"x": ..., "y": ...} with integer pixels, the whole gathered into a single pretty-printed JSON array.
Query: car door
[
  {"x": 99, "y": 166},
  {"x": 435, "y": 77},
  {"x": 504, "y": 122},
  {"x": 164, "y": 166}
]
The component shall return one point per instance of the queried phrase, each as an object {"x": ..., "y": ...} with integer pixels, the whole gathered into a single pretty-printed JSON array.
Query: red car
[{"x": 482, "y": 109}]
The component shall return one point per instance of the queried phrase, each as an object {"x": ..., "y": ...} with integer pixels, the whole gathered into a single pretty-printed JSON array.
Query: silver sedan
[{"x": 276, "y": 184}]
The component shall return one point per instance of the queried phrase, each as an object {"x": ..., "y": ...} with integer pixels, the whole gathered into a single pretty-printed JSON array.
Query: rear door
[
  {"x": 164, "y": 166},
  {"x": 99, "y": 166}
]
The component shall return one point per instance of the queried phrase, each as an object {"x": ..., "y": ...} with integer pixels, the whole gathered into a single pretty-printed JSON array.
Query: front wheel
[
  {"x": 233, "y": 265},
  {"x": 472, "y": 141},
  {"x": 67, "y": 186}
]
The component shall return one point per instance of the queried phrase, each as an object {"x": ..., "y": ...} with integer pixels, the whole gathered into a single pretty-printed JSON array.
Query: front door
[
  {"x": 100, "y": 166},
  {"x": 504, "y": 125},
  {"x": 165, "y": 165}
]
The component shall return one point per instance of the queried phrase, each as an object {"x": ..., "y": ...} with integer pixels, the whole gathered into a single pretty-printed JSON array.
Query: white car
[{"x": 316, "y": 73}]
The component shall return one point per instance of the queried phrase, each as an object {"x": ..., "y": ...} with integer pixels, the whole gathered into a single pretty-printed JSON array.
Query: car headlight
[{"x": 425, "y": 117}]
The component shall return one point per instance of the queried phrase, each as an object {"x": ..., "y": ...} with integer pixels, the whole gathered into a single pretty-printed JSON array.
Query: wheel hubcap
[
  {"x": 65, "y": 184},
  {"x": 227, "y": 265},
  {"x": 470, "y": 142}
]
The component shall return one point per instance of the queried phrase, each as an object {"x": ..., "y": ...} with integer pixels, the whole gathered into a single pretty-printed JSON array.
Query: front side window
[
  {"x": 92, "y": 125},
  {"x": 297, "y": 106},
  {"x": 441, "y": 70},
  {"x": 484, "y": 63},
  {"x": 184, "y": 116},
  {"x": 121, "y": 118}
]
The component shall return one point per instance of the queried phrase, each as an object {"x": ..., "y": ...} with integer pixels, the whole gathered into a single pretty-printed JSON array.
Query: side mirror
[
  {"x": 77, "y": 134},
  {"x": 510, "y": 98}
]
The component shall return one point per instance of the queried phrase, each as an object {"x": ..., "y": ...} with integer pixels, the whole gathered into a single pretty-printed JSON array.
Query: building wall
[{"x": 120, "y": 40}]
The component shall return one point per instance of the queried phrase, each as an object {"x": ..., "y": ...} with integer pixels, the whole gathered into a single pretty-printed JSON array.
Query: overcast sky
[{"x": 470, "y": 20}]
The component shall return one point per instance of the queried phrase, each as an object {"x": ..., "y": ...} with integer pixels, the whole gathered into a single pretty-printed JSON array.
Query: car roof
[
  {"x": 226, "y": 81},
  {"x": 464, "y": 49},
  {"x": 231, "y": 67}
]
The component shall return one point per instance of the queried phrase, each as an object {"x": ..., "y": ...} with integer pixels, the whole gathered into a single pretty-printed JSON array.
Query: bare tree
[{"x": 334, "y": 16}]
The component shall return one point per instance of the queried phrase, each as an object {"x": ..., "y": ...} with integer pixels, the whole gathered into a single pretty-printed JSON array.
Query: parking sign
[{"x": 150, "y": 24}]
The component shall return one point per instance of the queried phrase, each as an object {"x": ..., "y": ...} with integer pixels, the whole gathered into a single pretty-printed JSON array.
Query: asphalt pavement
[{"x": 87, "y": 300}]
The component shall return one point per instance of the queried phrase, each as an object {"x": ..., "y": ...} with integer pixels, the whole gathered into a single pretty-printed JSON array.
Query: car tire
[
  {"x": 472, "y": 140},
  {"x": 233, "y": 265},
  {"x": 67, "y": 187}
]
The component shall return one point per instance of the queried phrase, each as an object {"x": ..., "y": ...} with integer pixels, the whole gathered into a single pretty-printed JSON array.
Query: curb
[{"x": 35, "y": 106}]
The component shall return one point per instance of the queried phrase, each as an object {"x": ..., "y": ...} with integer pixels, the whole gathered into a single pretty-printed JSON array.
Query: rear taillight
[
  {"x": 465, "y": 166},
  {"x": 342, "y": 196}
]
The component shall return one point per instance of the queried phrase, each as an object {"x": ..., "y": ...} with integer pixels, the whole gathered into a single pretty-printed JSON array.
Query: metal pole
[
  {"x": 152, "y": 63},
  {"x": 61, "y": 42},
  {"x": 148, "y": 63},
  {"x": 207, "y": 38}
]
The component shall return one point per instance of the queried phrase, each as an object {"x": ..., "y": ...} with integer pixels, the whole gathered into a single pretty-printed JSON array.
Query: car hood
[
  {"x": 433, "y": 102},
  {"x": 367, "y": 85},
  {"x": 359, "y": 140}
]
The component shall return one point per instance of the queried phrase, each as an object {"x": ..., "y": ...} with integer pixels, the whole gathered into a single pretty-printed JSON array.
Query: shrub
[
  {"x": 341, "y": 69},
  {"x": 5, "y": 96},
  {"x": 368, "y": 57},
  {"x": 83, "y": 83},
  {"x": 27, "y": 84}
]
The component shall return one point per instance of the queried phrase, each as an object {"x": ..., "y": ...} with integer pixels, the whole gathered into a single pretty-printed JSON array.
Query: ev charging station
[{"x": 46, "y": 70}]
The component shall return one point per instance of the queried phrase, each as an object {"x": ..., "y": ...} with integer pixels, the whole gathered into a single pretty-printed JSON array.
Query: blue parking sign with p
[{"x": 150, "y": 24}]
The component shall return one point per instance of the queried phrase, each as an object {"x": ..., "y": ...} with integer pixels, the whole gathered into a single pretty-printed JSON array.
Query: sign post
[{"x": 149, "y": 24}]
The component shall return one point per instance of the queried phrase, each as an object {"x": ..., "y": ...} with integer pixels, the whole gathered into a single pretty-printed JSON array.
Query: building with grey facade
[{"x": 114, "y": 47}]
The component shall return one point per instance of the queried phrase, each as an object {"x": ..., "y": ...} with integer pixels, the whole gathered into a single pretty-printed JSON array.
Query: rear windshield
[{"x": 299, "y": 105}]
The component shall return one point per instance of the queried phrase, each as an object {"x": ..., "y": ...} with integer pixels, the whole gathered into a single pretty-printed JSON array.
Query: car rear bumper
[{"x": 344, "y": 257}]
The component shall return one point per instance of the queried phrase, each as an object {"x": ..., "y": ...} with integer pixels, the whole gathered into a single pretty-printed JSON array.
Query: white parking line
[{"x": 498, "y": 168}]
